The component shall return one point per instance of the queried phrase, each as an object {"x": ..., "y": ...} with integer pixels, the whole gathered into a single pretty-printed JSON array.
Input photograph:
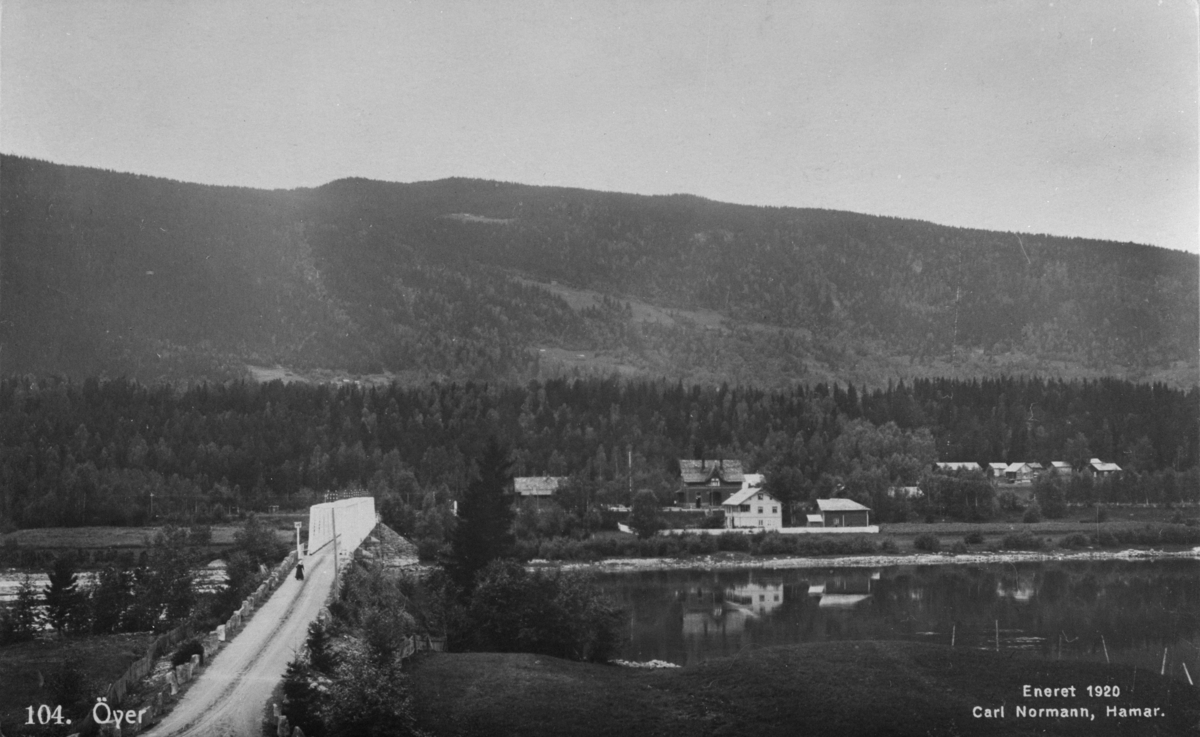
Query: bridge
[{"x": 228, "y": 698}]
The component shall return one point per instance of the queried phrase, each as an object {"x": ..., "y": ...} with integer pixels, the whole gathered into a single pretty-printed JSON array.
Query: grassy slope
[
  {"x": 102, "y": 658},
  {"x": 841, "y": 688}
]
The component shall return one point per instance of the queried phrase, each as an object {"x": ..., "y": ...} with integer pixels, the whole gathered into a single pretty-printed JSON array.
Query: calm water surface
[{"x": 1062, "y": 610}]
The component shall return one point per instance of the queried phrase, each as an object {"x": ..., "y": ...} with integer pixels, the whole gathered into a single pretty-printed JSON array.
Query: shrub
[
  {"x": 927, "y": 542},
  {"x": 557, "y": 614},
  {"x": 889, "y": 546},
  {"x": 1075, "y": 541},
  {"x": 959, "y": 547},
  {"x": 1023, "y": 540},
  {"x": 712, "y": 521},
  {"x": 186, "y": 651},
  {"x": 973, "y": 538},
  {"x": 1033, "y": 514}
]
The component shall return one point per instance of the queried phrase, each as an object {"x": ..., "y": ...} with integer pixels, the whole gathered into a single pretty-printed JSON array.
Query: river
[{"x": 1127, "y": 611}]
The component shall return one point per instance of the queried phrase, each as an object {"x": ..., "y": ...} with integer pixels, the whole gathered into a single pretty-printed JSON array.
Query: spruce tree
[
  {"x": 485, "y": 514},
  {"x": 64, "y": 601}
]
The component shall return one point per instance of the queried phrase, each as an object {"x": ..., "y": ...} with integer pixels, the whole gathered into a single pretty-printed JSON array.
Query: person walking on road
[{"x": 299, "y": 571}]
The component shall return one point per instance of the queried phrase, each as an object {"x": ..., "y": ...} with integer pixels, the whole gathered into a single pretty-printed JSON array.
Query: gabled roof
[
  {"x": 537, "y": 485},
  {"x": 840, "y": 505},
  {"x": 745, "y": 495},
  {"x": 1060, "y": 465},
  {"x": 1034, "y": 465},
  {"x": 1099, "y": 465},
  {"x": 997, "y": 466},
  {"x": 1017, "y": 467},
  {"x": 700, "y": 471}
]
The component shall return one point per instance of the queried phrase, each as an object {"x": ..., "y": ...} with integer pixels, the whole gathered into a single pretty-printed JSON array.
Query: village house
[
  {"x": 1019, "y": 473},
  {"x": 708, "y": 483},
  {"x": 843, "y": 513},
  {"x": 1102, "y": 469},
  {"x": 537, "y": 487},
  {"x": 1060, "y": 467},
  {"x": 995, "y": 471},
  {"x": 753, "y": 507}
]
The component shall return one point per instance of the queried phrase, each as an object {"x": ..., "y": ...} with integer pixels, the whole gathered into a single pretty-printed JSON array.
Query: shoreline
[{"x": 735, "y": 562}]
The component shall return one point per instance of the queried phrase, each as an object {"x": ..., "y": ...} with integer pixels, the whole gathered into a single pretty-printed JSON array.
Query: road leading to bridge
[{"x": 228, "y": 698}]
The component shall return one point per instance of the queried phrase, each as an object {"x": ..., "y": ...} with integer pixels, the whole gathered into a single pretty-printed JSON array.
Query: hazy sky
[{"x": 1071, "y": 118}]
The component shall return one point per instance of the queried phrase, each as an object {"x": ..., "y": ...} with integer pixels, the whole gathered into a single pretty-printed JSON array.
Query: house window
[
  {"x": 774, "y": 510},
  {"x": 760, "y": 497},
  {"x": 760, "y": 510}
]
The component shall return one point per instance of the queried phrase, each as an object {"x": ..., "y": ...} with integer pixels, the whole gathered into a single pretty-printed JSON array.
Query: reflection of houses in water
[
  {"x": 758, "y": 598},
  {"x": 843, "y": 592},
  {"x": 1018, "y": 588},
  {"x": 705, "y": 613},
  {"x": 725, "y": 611}
]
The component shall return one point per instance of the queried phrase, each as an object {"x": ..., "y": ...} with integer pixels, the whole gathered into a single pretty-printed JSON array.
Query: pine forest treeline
[{"x": 95, "y": 452}]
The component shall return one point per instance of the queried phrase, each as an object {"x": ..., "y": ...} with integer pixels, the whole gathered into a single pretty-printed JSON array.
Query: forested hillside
[
  {"x": 115, "y": 274},
  {"x": 95, "y": 452}
]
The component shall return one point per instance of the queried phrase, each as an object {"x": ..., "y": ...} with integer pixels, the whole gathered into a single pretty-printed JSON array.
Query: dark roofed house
[
  {"x": 708, "y": 483},
  {"x": 537, "y": 486},
  {"x": 844, "y": 513}
]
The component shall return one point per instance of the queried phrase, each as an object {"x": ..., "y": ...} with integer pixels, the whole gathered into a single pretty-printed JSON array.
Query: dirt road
[{"x": 227, "y": 699}]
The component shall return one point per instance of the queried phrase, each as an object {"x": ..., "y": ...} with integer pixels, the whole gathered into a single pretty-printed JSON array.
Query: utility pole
[
  {"x": 629, "y": 471},
  {"x": 299, "y": 554}
]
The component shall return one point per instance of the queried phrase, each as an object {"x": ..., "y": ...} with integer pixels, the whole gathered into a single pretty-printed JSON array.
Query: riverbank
[
  {"x": 842, "y": 688},
  {"x": 722, "y": 561}
]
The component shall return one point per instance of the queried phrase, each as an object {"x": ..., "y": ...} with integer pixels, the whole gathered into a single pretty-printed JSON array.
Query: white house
[
  {"x": 753, "y": 507},
  {"x": 996, "y": 470}
]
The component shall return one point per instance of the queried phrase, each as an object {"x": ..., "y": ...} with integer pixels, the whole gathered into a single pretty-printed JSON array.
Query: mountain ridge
[{"x": 456, "y": 279}]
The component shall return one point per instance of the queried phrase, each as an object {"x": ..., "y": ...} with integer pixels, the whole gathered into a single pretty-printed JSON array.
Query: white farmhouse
[{"x": 753, "y": 507}]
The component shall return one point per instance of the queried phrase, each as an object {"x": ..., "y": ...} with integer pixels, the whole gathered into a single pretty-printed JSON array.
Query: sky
[{"x": 1067, "y": 118}]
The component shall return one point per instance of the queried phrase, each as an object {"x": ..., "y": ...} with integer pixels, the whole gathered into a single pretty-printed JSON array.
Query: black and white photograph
[{"x": 542, "y": 368}]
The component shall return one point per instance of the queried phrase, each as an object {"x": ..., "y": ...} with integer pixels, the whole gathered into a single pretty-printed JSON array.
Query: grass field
[
  {"x": 28, "y": 674},
  {"x": 56, "y": 538},
  {"x": 834, "y": 688}
]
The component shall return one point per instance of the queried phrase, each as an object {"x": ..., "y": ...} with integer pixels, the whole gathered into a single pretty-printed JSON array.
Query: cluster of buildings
[
  {"x": 1024, "y": 472},
  {"x": 721, "y": 484}
]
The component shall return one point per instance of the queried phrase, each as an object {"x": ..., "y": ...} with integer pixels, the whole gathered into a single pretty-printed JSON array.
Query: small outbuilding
[
  {"x": 1019, "y": 473},
  {"x": 1101, "y": 469},
  {"x": 996, "y": 470},
  {"x": 843, "y": 513},
  {"x": 1060, "y": 467}
]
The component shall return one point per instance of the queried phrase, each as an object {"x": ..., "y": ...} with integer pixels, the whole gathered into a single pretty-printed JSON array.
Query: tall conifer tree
[{"x": 485, "y": 515}]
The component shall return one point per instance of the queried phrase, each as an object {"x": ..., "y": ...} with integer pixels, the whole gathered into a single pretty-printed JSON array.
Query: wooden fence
[{"x": 164, "y": 643}]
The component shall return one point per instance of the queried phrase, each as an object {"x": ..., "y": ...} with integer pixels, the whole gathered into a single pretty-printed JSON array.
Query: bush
[
  {"x": 186, "y": 651},
  {"x": 928, "y": 543},
  {"x": 1033, "y": 514},
  {"x": 959, "y": 547},
  {"x": 889, "y": 546},
  {"x": 1023, "y": 540},
  {"x": 973, "y": 538},
  {"x": 1075, "y": 541},
  {"x": 558, "y": 614}
]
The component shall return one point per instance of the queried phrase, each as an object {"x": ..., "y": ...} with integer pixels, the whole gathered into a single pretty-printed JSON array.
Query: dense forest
[
  {"x": 106, "y": 452},
  {"x": 108, "y": 274}
]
